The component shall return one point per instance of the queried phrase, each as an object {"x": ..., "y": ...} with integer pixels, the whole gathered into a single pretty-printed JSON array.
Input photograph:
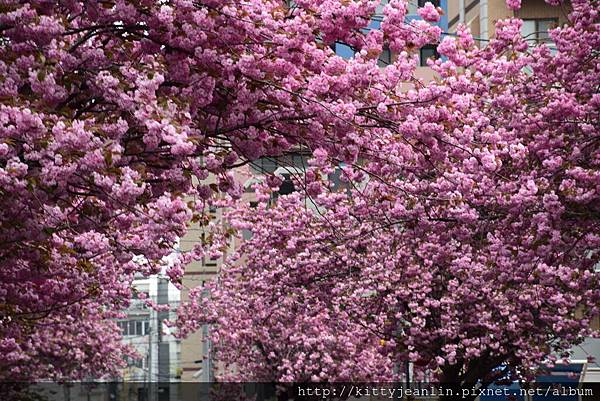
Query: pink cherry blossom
[
  {"x": 463, "y": 233},
  {"x": 513, "y": 4},
  {"x": 429, "y": 12},
  {"x": 465, "y": 236}
]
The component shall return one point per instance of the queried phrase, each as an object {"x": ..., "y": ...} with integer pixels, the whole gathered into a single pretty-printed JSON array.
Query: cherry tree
[
  {"x": 463, "y": 241},
  {"x": 115, "y": 113}
]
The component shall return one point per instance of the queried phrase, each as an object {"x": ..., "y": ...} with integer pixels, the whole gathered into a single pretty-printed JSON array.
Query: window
[
  {"x": 124, "y": 328},
  {"x": 421, "y": 3},
  {"x": 134, "y": 327},
  {"x": 337, "y": 184},
  {"x": 207, "y": 261},
  {"x": 246, "y": 234},
  {"x": 285, "y": 167},
  {"x": 292, "y": 162},
  {"x": 210, "y": 262},
  {"x": 536, "y": 30},
  {"x": 264, "y": 165},
  {"x": 134, "y": 362},
  {"x": 427, "y": 52},
  {"x": 343, "y": 50},
  {"x": 287, "y": 186},
  {"x": 385, "y": 58},
  {"x": 380, "y": 6},
  {"x": 347, "y": 52}
]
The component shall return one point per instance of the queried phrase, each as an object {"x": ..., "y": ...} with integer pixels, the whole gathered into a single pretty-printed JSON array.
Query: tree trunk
[{"x": 452, "y": 380}]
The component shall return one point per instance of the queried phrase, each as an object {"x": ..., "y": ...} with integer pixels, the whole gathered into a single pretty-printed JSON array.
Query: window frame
[
  {"x": 421, "y": 3},
  {"x": 537, "y": 31},
  {"x": 423, "y": 61}
]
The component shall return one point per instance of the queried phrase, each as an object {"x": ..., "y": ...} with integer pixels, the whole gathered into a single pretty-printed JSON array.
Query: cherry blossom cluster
[
  {"x": 120, "y": 123},
  {"x": 465, "y": 238}
]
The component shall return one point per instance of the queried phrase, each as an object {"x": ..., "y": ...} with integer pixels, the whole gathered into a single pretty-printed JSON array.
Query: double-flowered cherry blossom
[
  {"x": 464, "y": 235},
  {"x": 120, "y": 122}
]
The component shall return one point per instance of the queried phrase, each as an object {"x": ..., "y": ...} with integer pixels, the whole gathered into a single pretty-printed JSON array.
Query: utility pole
[
  {"x": 67, "y": 391},
  {"x": 151, "y": 384},
  {"x": 483, "y": 20}
]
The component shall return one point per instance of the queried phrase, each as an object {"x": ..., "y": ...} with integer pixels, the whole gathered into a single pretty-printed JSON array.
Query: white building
[{"x": 158, "y": 365}]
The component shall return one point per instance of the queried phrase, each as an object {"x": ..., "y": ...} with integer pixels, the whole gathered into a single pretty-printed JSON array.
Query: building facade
[
  {"x": 480, "y": 16},
  {"x": 150, "y": 376}
]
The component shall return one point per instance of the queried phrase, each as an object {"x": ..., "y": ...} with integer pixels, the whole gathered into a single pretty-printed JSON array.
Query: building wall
[
  {"x": 497, "y": 9},
  {"x": 195, "y": 360},
  {"x": 196, "y": 274},
  {"x": 540, "y": 9}
]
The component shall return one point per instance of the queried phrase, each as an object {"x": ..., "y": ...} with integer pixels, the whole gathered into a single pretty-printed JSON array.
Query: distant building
[
  {"x": 422, "y": 71},
  {"x": 159, "y": 352},
  {"x": 480, "y": 16}
]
